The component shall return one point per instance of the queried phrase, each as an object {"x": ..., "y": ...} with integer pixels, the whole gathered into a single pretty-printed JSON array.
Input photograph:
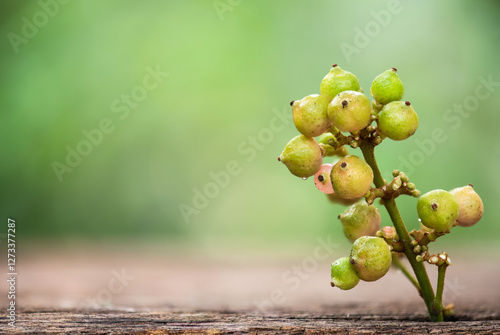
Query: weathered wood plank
[{"x": 278, "y": 322}]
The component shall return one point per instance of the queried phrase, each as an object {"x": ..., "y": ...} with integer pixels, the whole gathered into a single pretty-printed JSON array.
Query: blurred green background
[{"x": 233, "y": 66}]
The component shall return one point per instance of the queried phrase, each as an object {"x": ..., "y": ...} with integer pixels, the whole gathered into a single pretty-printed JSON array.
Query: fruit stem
[
  {"x": 418, "y": 268},
  {"x": 438, "y": 302},
  {"x": 397, "y": 263}
]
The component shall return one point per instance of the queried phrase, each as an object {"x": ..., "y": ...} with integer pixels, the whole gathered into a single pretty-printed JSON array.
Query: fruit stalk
[
  {"x": 418, "y": 268},
  {"x": 438, "y": 302}
]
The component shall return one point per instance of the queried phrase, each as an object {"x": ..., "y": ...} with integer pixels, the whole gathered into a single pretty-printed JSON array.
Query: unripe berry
[
  {"x": 351, "y": 177},
  {"x": 398, "y": 120},
  {"x": 370, "y": 257},
  {"x": 360, "y": 220},
  {"x": 322, "y": 179},
  {"x": 387, "y": 87},
  {"x": 343, "y": 274},
  {"x": 309, "y": 115},
  {"x": 302, "y": 156},
  {"x": 438, "y": 210},
  {"x": 336, "y": 81},
  {"x": 471, "y": 205},
  {"x": 350, "y": 111}
]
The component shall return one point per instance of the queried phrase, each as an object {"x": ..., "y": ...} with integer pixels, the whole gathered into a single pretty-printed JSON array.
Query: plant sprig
[{"x": 342, "y": 116}]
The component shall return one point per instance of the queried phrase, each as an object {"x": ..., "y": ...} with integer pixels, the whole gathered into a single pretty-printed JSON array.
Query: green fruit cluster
[
  {"x": 340, "y": 116},
  {"x": 342, "y": 107}
]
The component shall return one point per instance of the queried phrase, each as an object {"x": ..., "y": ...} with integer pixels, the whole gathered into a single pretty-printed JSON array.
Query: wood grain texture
[{"x": 225, "y": 322}]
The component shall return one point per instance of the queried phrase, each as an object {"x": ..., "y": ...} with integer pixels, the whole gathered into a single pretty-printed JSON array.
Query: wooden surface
[
  {"x": 169, "y": 322},
  {"x": 81, "y": 291}
]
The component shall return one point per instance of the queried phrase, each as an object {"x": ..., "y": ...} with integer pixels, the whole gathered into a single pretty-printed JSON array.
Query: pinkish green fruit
[
  {"x": 309, "y": 115},
  {"x": 302, "y": 156},
  {"x": 351, "y": 177},
  {"x": 359, "y": 220},
  {"x": 471, "y": 205},
  {"x": 370, "y": 257},
  {"x": 350, "y": 111}
]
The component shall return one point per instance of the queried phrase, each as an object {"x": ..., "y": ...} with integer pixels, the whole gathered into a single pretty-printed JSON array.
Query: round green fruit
[
  {"x": 438, "y": 210},
  {"x": 471, "y": 205},
  {"x": 350, "y": 111},
  {"x": 309, "y": 115},
  {"x": 370, "y": 257},
  {"x": 302, "y": 156},
  {"x": 336, "y": 81},
  {"x": 343, "y": 274},
  {"x": 351, "y": 177},
  {"x": 387, "y": 87},
  {"x": 398, "y": 120},
  {"x": 359, "y": 220}
]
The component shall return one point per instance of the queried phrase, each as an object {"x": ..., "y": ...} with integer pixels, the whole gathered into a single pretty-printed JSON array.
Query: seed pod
[
  {"x": 336, "y": 81},
  {"x": 360, "y": 220},
  {"x": 309, "y": 115},
  {"x": 343, "y": 274},
  {"x": 387, "y": 87},
  {"x": 350, "y": 111},
  {"x": 370, "y": 257},
  {"x": 471, "y": 205},
  {"x": 302, "y": 156},
  {"x": 438, "y": 210},
  {"x": 351, "y": 177},
  {"x": 398, "y": 120}
]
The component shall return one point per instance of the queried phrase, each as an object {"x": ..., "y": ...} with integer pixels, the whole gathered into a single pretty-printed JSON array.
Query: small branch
[
  {"x": 424, "y": 236},
  {"x": 339, "y": 140},
  {"x": 438, "y": 302},
  {"x": 399, "y": 185}
]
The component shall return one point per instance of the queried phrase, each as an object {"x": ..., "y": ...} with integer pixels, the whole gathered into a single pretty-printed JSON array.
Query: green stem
[
  {"x": 418, "y": 268},
  {"x": 397, "y": 263},
  {"x": 438, "y": 302}
]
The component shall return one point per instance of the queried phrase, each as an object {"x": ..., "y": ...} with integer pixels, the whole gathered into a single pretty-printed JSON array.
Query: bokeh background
[{"x": 233, "y": 67}]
